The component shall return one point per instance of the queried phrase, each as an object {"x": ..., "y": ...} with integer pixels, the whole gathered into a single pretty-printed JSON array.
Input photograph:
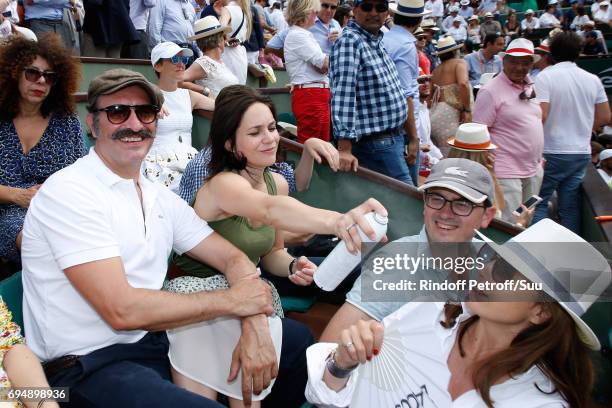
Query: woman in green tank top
[{"x": 248, "y": 205}]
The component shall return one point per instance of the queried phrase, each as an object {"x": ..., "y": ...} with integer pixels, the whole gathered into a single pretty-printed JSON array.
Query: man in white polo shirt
[
  {"x": 573, "y": 103},
  {"x": 95, "y": 247}
]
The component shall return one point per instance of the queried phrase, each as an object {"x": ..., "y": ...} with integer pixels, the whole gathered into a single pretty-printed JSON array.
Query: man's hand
[
  {"x": 333, "y": 36},
  {"x": 255, "y": 356},
  {"x": 23, "y": 196},
  {"x": 250, "y": 297},
  {"x": 348, "y": 162},
  {"x": 411, "y": 154},
  {"x": 318, "y": 148}
]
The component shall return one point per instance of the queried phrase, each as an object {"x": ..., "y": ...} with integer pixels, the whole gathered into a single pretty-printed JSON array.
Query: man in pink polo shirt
[{"x": 507, "y": 105}]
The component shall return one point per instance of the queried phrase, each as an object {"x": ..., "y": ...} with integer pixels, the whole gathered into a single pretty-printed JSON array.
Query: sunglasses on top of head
[
  {"x": 117, "y": 114},
  {"x": 33, "y": 74},
  {"x": 175, "y": 59},
  {"x": 380, "y": 7},
  {"x": 328, "y": 6}
]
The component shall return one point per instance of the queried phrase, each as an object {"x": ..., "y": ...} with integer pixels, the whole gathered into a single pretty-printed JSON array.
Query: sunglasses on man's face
[
  {"x": 329, "y": 6},
  {"x": 33, "y": 74},
  {"x": 175, "y": 59},
  {"x": 117, "y": 114},
  {"x": 380, "y": 7}
]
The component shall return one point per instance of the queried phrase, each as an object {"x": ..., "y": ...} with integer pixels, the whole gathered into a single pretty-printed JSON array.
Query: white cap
[
  {"x": 605, "y": 154},
  {"x": 453, "y": 9},
  {"x": 168, "y": 50},
  {"x": 529, "y": 11},
  {"x": 604, "y": 3},
  {"x": 457, "y": 19},
  {"x": 464, "y": 2},
  {"x": 488, "y": 14},
  {"x": 551, "y": 2}
]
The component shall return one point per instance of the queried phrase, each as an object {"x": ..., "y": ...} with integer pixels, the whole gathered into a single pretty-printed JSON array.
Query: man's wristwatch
[{"x": 334, "y": 369}]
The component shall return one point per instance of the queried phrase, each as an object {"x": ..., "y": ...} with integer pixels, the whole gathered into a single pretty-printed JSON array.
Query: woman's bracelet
[
  {"x": 293, "y": 261},
  {"x": 334, "y": 369}
]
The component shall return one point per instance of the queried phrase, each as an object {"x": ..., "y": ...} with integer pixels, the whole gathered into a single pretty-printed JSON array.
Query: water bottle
[{"x": 340, "y": 262}]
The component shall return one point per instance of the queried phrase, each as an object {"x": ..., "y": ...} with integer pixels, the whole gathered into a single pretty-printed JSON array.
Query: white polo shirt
[
  {"x": 572, "y": 94},
  {"x": 426, "y": 382},
  {"x": 87, "y": 213}
]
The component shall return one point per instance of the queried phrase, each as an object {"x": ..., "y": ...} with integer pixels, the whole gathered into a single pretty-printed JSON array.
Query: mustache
[{"x": 120, "y": 134}]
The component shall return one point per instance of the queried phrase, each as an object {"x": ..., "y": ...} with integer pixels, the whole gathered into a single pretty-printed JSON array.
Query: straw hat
[
  {"x": 575, "y": 278},
  {"x": 520, "y": 47},
  {"x": 207, "y": 26},
  {"x": 428, "y": 24},
  {"x": 465, "y": 2},
  {"x": 419, "y": 31},
  {"x": 409, "y": 8},
  {"x": 472, "y": 137},
  {"x": 474, "y": 18},
  {"x": 543, "y": 47},
  {"x": 447, "y": 44}
]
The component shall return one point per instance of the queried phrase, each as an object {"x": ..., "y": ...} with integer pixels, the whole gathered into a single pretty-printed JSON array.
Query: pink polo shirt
[{"x": 515, "y": 126}]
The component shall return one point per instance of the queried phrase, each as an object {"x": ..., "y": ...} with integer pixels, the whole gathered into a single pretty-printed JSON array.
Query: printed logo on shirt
[{"x": 414, "y": 400}]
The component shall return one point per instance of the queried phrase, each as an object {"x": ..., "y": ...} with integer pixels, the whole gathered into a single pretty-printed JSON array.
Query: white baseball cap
[
  {"x": 605, "y": 154},
  {"x": 168, "y": 50}
]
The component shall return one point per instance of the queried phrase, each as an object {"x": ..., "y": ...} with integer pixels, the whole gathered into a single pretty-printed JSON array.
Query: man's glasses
[
  {"x": 380, "y": 7},
  {"x": 117, "y": 114},
  {"x": 460, "y": 207},
  {"x": 175, "y": 59},
  {"x": 329, "y": 6},
  {"x": 524, "y": 97},
  {"x": 33, "y": 74}
]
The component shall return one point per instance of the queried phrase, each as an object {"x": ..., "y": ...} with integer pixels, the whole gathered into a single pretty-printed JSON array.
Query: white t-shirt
[
  {"x": 606, "y": 178},
  {"x": 533, "y": 24},
  {"x": 459, "y": 34},
  {"x": 426, "y": 360},
  {"x": 572, "y": 94},
  {"x": 548, "y": 20},
  {"x": 302, "y": 54},
  {"x": 602, "y": 16},
  {"x": 86, "y": 213}
]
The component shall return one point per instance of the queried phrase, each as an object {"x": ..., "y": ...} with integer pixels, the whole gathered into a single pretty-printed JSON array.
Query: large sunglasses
[
  {"x": 33, "y": 74},
  {"x": 460, "y": 207},
  {"x": 380, "y": 7},
  {"x": 175, "y": 59},
  {"x": 329, "y": 6},
  {"x": 117, "y": 114}
]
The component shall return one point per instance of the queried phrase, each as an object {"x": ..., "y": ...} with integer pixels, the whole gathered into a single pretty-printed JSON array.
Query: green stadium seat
[{"x": 11, "y": 291}]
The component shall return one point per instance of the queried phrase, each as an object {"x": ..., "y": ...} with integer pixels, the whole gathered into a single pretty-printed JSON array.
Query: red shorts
[{"x": 311, "y": 109}]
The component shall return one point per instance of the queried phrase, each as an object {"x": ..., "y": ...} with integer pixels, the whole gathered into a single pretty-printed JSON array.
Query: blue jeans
[
  {"x": 138, "y": 375},
  {"x": 384, "y": 155},
  {"x": 563, "y": 173}
]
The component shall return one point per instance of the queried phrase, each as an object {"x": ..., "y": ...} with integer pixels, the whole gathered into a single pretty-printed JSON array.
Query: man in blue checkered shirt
[{"x": 368, "y": 105}]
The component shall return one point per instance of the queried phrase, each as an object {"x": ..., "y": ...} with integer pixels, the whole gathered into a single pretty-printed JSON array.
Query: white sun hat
[
  {"x": 520, "y": 47},
  {"x": 207, "y": 26},
  {"x": 447, "y": 44},
  {"x": 409, "y": 8},
  {"x": 472, "y": 137},
  {"x": 542, "y": 254}
]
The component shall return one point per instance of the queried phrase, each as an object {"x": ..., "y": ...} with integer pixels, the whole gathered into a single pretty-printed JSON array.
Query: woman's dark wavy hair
[
  {"x": 230, "y": 106},
  {"x": 17, "y": 54},
  {"x": 553, "y": 346}
]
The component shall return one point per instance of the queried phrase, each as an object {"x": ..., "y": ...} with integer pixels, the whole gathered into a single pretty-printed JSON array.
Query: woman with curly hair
[{"x": 40, "y": 131}]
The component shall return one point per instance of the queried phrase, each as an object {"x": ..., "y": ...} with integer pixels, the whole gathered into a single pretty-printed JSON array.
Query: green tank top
[{"x": 254, "y": 242}]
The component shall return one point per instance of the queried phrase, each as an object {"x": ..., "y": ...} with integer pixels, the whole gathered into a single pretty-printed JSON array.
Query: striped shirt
[{"x": 366, "y": 93}]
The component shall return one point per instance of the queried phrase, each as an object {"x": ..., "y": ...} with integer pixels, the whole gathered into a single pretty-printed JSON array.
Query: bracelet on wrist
[
  {"x": 291, "y": 266},
  {"x": 334, "y": 369}
]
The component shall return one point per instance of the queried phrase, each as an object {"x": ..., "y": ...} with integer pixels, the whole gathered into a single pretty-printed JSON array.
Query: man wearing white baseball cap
[
  {"x": 573, "y": 103},
  {"x": 506, "y": 104},
  {"x": 489, "y": 26},
  {"x": 605, "y": 166},
  {"x": 530, "y": 22},
  {"x": 447, "y": 23}
]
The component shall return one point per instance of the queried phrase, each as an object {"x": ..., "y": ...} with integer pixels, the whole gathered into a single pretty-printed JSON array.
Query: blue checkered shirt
[
  {"x": 366, "y": 92},
  {"x": 197, "y": 171}
]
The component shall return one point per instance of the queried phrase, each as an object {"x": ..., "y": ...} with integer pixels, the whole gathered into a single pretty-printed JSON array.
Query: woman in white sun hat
[
  {"x": 209, "y": 71},
  {"x": 172, "y": 149},
  {"x": 452, "y": 97},
  {"x": 499, "y": 348}
]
